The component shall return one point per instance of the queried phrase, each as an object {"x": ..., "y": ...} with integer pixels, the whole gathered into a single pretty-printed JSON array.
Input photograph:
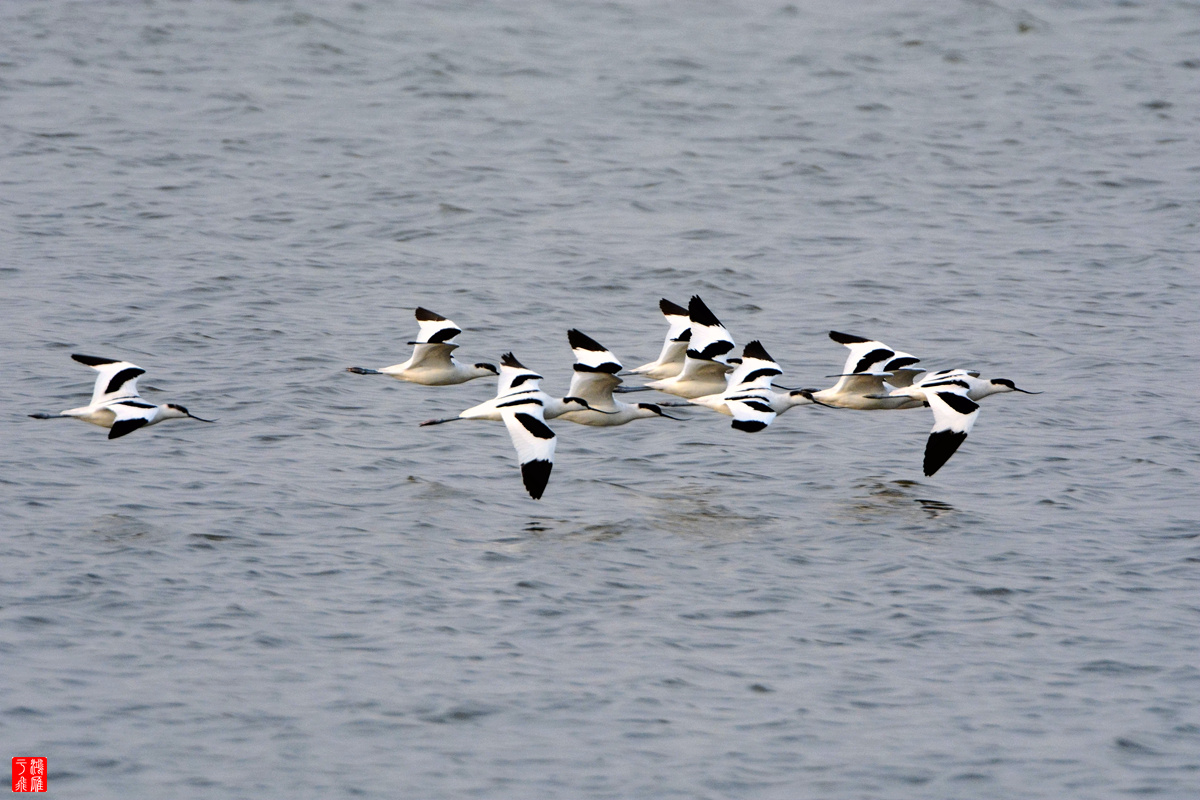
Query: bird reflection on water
[
  {"x": 891, "y": 498},
  {"x": 936, "y": 508}
]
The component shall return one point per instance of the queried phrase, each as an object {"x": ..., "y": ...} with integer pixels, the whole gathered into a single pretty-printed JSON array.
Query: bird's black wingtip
[
  {"x": 93, "y": 361},
  {"x": 425, "y": 315},
  {"x": 581, "y": 341},
  {"x": 756, "y": 350},
  {"x": 938, "y": 449},
  {"x": 846, "y": 338},
  {"x": 700, "y": 313},
  {"x": 536, "y": 474},
  {"x": 670, "y": 309}
]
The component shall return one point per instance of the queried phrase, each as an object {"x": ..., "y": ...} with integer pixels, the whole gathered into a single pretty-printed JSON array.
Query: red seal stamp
[{"x": 29, "y": 773}]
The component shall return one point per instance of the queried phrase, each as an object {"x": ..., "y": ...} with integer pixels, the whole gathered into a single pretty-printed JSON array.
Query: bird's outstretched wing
[
  {"x": 434, "y": 328},
  {"x": 432, "y": 356},
  {"x": 710, "y": 340},
  {"x": 516, "y": 377},
  {"x": 117, "y": 379},
  {"x": 954, "y": 415},
  {"x": 534, "y": 442},
  {"x": 595, "y": 373}
]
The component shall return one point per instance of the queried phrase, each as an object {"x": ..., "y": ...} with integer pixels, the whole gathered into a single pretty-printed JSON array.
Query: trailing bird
[{"x": 116, "y": 404}]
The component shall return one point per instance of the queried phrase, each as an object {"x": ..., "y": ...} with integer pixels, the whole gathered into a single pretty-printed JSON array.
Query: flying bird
[
  {"x": 593, "y": 379},
  {"x": 861, "y": 382},
  {"x": 432, "y": 362},
  {"x": 116, "y": 404}
]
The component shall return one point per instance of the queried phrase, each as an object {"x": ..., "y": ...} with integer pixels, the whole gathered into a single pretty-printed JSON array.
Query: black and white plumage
[
  {"x": 593, "y": 379},
  {"x": 432, "y": 362},
  {"x": 706, "y": 361},
  {"x": 116, "y": 404},
  {"x": 674, "y": 349},
  {"x": 954, "y": 414},
  {"x": 861, "y": 382},
  {"x": 524, "y": 408},
  {"x": 751, "y": 399}
]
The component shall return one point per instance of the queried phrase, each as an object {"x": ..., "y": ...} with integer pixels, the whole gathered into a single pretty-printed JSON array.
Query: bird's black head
[
  {"x": 1012, "y": 387},
  {"x": 489, "y": 367},
  {"x": 577, "y": 401},
  {"x": 807, "y": 394},
  {"x": 178, "y": 409},
  {"x": 654, "y": 408}
]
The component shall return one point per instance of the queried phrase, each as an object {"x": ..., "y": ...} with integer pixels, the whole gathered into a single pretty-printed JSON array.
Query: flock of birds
[{"x": 695, "y": 364}]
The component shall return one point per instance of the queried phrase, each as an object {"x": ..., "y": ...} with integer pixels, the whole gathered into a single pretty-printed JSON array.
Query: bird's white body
[
  {"x": 670, "y": 359},
  {"x": 432, "y": 365},
  {"x": 706, "y": 362},
  {"x": 116, "y": 404},
  {"x": 107, "y": 414},
  {"x": 778, "y": 401},
  {"x": 593, "y": 379},
  {"x": 861, "y": 385},
  {"x": 432, "y": 362},
  {"x": 861, "y": 393},
  {"x": 618, "y": 414}
]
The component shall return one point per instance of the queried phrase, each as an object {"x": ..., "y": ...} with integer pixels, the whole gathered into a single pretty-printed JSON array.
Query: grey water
[{"x": 315, "y": 597}]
